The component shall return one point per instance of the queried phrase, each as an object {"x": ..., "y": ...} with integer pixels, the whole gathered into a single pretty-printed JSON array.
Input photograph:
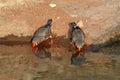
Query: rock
[
  {"x": 80, "y": 24},
  {"x": 22, "y": 18},
  {"x": 52, "y": 5},
  {"x": 111, "y": 36},
  {"x": 73, "y": 15}
]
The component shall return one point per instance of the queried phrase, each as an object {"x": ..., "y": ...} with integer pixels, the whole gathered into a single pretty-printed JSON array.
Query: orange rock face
[{"x": 23, "y": 17}]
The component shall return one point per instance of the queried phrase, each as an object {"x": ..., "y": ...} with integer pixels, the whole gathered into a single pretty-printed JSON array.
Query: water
[{"x": 53, "y": 62}]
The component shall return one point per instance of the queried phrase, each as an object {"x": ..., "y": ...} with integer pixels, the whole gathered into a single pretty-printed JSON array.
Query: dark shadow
[
  {"x": 70, "y": 32},
  {"x": 11, "y": 40},
  {"x": 111, "y": 42},
  {"x": 60, "y": 41},
  {"x": 43, "y": 50},
  {"x": 94, "y": 48},
  {"x": 77, "y": 60}
]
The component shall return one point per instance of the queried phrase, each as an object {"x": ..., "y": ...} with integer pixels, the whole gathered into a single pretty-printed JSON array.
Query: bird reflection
[
  {"x": 42, "y": 50},
  {"x": 77, "y": 58}
]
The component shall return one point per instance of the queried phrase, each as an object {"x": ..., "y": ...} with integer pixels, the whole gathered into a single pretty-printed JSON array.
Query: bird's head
[
  {"x": 73, "y": 24},
  {"x": 49, "y": 22}
]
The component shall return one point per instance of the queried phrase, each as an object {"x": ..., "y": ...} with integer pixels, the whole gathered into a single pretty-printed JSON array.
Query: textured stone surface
[{"x": 23, "y": 17}]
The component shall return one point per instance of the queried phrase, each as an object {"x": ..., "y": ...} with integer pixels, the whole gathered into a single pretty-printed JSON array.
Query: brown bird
[{"x": 42, "y": 34}]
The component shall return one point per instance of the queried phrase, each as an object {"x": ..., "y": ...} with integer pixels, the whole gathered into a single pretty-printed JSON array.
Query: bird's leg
[
  {"x": 79, "y": 49},
  {"x": 79, "y": 54}
]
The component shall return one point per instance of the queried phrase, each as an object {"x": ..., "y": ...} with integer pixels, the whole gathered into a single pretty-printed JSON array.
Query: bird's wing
[
  {"x": 42, "y": 32},
  {"x": 77, "y": 35}
]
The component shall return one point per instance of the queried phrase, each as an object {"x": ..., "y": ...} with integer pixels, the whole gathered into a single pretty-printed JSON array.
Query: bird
[
  {"x": 43, "y": 33},
  {"x": 77, "y": 36}
]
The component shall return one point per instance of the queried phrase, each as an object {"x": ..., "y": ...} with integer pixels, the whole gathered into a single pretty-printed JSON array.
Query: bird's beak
[{"x": 34, "y": 45}]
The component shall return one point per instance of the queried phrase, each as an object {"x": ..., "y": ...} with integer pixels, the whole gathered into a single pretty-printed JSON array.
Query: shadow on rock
[
  {"x": 112, "y": 38},
  {"x": 70, "y": 32},
  {"x": 111, "y": 42}
]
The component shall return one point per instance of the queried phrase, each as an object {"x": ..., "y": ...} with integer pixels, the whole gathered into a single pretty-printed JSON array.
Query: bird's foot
[{"x": 80, "y": 54}]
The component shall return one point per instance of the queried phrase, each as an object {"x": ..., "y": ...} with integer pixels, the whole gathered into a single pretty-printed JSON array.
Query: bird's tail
[{"x": 49, "y": 22}]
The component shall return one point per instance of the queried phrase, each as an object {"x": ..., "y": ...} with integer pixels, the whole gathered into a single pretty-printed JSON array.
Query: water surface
[{"x": 53, "y": 62}]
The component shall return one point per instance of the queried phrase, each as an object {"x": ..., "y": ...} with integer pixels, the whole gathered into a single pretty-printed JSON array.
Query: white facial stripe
[{"x": 74, "y": 26}]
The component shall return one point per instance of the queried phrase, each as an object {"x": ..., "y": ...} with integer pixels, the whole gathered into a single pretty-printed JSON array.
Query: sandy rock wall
[{"x": 23, "y": 17}]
